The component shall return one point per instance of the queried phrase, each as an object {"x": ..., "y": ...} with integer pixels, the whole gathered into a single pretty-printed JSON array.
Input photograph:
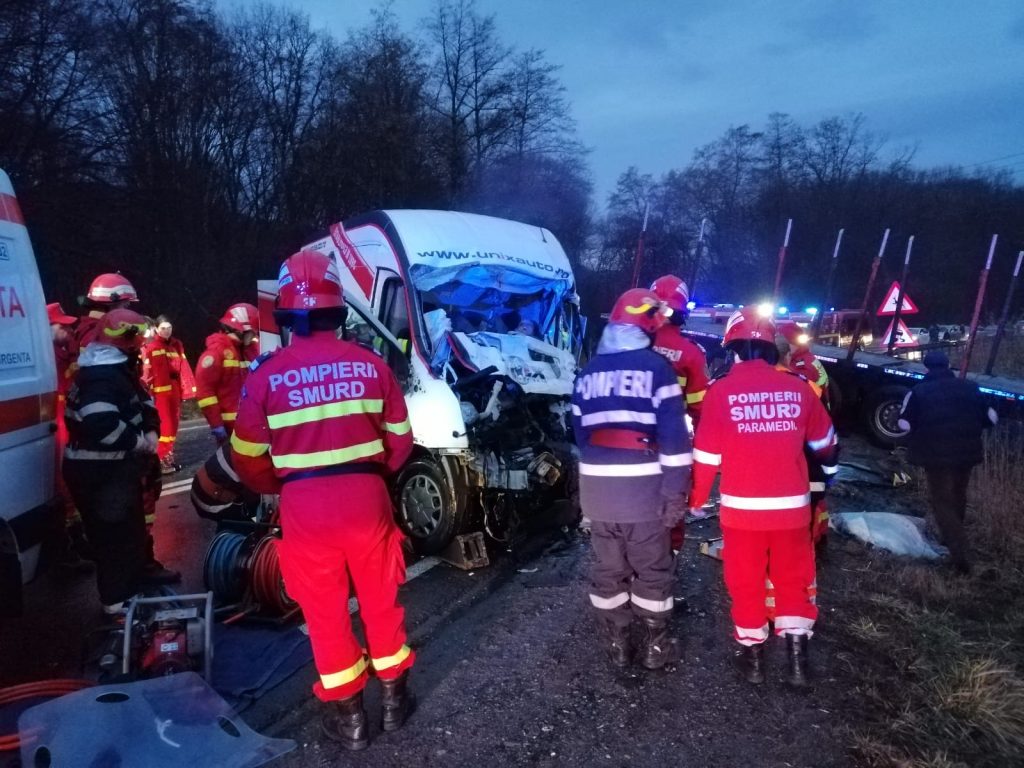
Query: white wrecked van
[
  {"x": 28, "y": 384},
  {"x": 479, "y": 319}
]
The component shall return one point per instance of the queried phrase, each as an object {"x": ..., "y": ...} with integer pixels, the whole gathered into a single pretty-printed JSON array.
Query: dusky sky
[{"x": 651, "y": 81}]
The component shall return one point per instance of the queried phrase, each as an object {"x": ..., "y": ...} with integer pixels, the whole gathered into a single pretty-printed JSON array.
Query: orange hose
[{"x": 51, "y": 689}]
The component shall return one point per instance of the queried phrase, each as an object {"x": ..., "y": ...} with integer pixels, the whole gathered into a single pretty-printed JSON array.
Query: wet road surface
[{"x": 509, "y": 667}]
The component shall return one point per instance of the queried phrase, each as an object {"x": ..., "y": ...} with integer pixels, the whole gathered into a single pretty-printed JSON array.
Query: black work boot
[
  {"x": 796, "y": 649},
  {"x": 345, "y": 723},
  {"x": 619, "y": 644},
  {"x": 395, "y": 702},
  {"x": 154, "y": 572},
  {"x": 658, "y": 647},
  {"x": 751, "y": 663}
]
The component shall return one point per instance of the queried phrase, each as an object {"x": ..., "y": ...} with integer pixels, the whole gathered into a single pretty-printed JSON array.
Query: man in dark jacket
[
  {"x": 945, "y": 417},
  {"x": 112, "y": 426}
]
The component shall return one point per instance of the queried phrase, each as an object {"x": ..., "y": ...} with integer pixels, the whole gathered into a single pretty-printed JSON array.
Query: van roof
[{"x": 452, "y": 237}]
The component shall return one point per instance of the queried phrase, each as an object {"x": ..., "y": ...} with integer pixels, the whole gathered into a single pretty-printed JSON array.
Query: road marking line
[{"x": 178, "y": 483}]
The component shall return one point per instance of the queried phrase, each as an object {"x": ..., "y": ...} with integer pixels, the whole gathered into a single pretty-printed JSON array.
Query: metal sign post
[
  {"x": 982, "y": 286},
  {"x": 1004, "y": 315},
  {"x": 782, "y": 262},
  {"x": 829, "y": 283},
  {"x": 867, "y": 297},
  {"x": 899, "y": 297}
]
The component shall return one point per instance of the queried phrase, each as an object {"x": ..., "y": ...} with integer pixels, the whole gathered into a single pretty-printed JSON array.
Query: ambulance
[
  {"x": 28, "y": 385},
  {"x": 480, "y": 321}
]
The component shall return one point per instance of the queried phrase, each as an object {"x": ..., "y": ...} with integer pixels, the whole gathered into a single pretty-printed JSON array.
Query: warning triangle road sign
[
  {"x": 889, "y": 303},
  {"x": 904, "y": 338}
]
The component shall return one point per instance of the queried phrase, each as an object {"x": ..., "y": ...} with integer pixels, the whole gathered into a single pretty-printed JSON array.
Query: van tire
[
  {"x": 880, "y": 411},
  {"x": 426, "y": 506}
]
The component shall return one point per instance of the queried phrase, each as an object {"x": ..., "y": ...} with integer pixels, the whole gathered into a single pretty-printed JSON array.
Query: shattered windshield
[{"x": 489, "y": 299}]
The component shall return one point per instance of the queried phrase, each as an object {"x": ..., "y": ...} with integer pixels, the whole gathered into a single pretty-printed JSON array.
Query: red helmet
[
  {"x": 794, "y": 334},
  {"x": 749, "y": 325},
  {"x": 56, "y": 315},
  {"x": 111, "y": 287},
  {"x": 241, "y": 318},
  {"x": 673, "y": 291},
  {"x": 309, "y": 280},
  {"x": 640, "y": 307},
  {"x": 123, "y": 328}
]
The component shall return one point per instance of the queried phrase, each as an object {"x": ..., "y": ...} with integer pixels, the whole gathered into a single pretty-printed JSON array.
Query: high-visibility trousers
[
  {"x": 335, "y": 528},
  {"x": 785, "y": 559},
  {"x": 168, "y": 405}
]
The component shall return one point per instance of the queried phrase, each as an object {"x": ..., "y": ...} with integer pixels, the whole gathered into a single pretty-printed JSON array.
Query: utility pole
[{"x": 698, "y": 254}]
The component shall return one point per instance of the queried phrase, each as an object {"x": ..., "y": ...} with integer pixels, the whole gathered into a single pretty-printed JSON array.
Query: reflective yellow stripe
[
  {"x": 156, "y": 352},
  {"x": 228, "y": 415},
  {"x": 327, "y": 411},
  {"x": 398, "y": 429},
  {"x": 337, "y": 679},
  {"x": 166, "y": 388},
  {"x": 173, "y": 354},
  {"x": 244, "y": 447},
  {"x": 328, "y": 458},
  {"x": 392, "y": 661},
  {"x": 166, "y": 440},
  {"x": 150, "y": 519},
  {"x": 695, "y": 397},
  {"x": 681, "y": 380},
  {"x": 235, "y": 363},
  {"x": 207, "y": 401}
]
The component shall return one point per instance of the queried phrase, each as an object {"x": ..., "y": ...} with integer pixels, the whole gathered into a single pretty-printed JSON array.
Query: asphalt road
[{"x": 509, "y": 667}]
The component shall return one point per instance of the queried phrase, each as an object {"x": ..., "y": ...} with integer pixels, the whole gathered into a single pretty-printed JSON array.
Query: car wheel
[{"x": 428, "y": 512}]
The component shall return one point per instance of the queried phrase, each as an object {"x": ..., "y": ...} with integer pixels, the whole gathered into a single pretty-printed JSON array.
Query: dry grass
[
  {"x": 1009, "y": 361},
  {"x": 945, "y": 686}
]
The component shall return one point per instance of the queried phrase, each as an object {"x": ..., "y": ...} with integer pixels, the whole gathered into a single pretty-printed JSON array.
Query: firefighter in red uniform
[
  {"x": 687, "y": 358},
  {"x": 756, "y": 422},
  {"x": 65, "y": 352},
  {"x": 167, "y": 375},
  {"x": 324, "y": 421},
  {"x": 223, "y": 366},
  {"x": 107, "y": 292},
  {"x": 801, "y": 360},
  {"x": 797, "y": 357}
]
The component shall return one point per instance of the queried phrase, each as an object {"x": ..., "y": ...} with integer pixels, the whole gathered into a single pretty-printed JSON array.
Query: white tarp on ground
[{"x": 899, "y": 534}]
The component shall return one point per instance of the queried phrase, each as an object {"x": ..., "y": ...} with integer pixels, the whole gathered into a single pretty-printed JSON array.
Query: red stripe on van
[
  {"x": 24, "y": 412},
  {"x": 352, "y": 259},
  {"x": 10, "y": 210},
  {"x": 266, "y": 309}
]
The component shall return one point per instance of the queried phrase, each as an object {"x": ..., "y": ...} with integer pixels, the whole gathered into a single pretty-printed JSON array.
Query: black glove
[{"x": 673, "y": 511}]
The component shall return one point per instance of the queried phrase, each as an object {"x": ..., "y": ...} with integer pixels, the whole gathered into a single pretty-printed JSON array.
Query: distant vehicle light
[
  {"x": 783, "y": 310},
  {"x": 803, "y": 338},
  {"x": 867, "y": 339},
  {"x": 691, "y": 305},
  {"x": 766, "y": 309},
  {"x": 812, "y": 311}
]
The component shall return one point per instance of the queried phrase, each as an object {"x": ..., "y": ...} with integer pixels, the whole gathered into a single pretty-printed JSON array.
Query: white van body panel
[{"x": 28, "y": 381}]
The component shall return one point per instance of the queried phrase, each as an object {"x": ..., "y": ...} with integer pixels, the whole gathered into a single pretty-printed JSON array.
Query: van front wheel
[{"x": 427, "y": 509}]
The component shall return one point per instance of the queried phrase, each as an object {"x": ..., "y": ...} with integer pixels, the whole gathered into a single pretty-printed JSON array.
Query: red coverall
[
  {"x": 689, "y": 363},
  {"x": 167, "y": 374},
  {"x": 691, "y": 368},
  {"x": 757, "y": 421},
  {"x": 804, "y": 362},
  {"x": 88, "y": 328},
  {"x": 219, "y": 376},
  {"x": 324, "y": 421}
]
